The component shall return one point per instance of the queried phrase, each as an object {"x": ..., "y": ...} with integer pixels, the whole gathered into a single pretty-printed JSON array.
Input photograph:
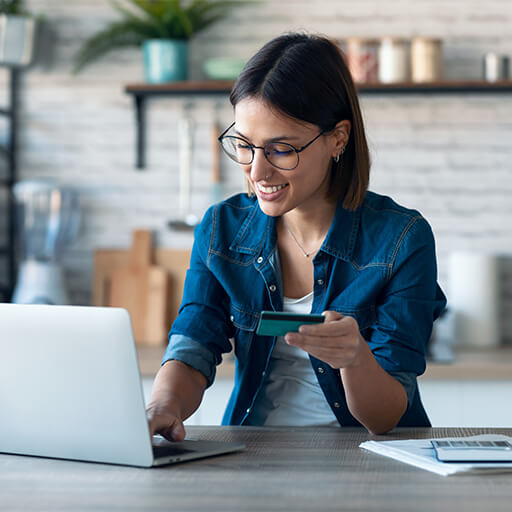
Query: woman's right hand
[
  {"x": 163, "y": 419},
  {"x": 176, "y": 394}
]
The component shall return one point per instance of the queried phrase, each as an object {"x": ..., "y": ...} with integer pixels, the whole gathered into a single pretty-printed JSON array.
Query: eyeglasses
[{"x": 282, "y": 155}]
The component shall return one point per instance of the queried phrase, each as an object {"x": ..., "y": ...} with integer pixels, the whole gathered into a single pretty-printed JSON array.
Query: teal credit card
[{"x": 275, "y": 323}]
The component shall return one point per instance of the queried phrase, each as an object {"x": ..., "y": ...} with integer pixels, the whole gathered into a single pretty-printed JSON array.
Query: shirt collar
[
  {"x": 258, "y": 235},
  {"x": 342, "y": 235}
]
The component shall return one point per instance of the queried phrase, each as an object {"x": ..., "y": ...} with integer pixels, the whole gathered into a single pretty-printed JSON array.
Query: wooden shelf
[
  {"x": 224, "y": 86},
  {"x": 181, "y": 88},
  {"x": 448, "y": 87},
  {"x": 143, "y": 91}
]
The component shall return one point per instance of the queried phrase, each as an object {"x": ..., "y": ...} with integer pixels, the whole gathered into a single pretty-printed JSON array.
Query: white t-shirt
[{"x": 291, "y": 395}]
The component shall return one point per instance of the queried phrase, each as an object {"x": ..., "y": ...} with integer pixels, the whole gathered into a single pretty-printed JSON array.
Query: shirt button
[
  {"x": 320, "y": 282},
  {"x": 248, "y": 410},
  {"x": 260, "y": 259},
  {"x": 320, "y": 369},
  {"x": 232, "y": 318},
  {"x": 337, "y": 405},
  {"x": 272, "y": 288},
  {"x": 263, "y": 374}
]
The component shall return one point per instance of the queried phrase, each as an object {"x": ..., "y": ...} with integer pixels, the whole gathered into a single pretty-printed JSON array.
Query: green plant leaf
[
  {"x": 12, "y": 7},
  {"x": 206, "y": 12},
  {"x": 116, "y": 35},
  {"x": 152, "y": 12},
  {"x": 154, "y": 19}
]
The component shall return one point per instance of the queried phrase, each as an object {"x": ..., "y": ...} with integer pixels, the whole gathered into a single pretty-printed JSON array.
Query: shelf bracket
[{"x": 140, "y": 127}]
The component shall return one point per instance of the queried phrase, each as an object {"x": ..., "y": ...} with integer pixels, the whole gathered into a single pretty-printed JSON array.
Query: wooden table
[{"x": 299, "y": 469}]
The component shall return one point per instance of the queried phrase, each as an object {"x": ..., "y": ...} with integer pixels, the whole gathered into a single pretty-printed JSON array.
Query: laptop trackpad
[
  {"x": 168, "y": 450},
  {"x": 172, "y": 451}
]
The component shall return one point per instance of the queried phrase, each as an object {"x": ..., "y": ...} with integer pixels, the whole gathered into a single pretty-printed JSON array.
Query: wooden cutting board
[
  {"x": 174, "y": 261},
  {"x": 142, "y": 288}
]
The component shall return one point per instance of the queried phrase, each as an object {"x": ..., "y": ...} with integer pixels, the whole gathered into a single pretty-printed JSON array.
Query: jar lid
[
  {"x": 426, "y": 39},
  {"x": 361, "y": 40},
  {"x": 394, "y": 40}
]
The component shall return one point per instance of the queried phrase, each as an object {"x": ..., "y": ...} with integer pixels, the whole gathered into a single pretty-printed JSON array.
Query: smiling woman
[
  {"x": 308, "y": 238},
  {"x": 305, "y": 79}
]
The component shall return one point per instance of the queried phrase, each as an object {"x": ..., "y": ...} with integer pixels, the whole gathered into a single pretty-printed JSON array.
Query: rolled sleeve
[
  {"x": 194, "y": 354},
  {"x": 409, "y": 383},
  {"x": 409, "y": 303}
]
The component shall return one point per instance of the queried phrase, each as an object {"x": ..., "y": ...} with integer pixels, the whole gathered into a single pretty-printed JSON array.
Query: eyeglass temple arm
[
  {"x": 310, "y": 142},
  {"x": 225, "y": 131}
]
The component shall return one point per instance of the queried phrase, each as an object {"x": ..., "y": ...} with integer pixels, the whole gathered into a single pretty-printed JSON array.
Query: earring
[{"x": 337, "y": 157}]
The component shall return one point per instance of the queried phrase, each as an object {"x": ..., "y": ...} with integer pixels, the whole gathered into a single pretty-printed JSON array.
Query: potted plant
[
  {"x": 17, "y": 29},
  {"x": 162, "y": 28}
]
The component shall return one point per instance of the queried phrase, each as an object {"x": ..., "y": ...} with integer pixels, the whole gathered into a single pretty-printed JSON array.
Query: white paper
[{"x": 420, "y": 453}]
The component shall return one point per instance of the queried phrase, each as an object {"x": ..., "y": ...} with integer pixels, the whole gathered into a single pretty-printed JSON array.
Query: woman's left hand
[{"x": 337, "y": 341}]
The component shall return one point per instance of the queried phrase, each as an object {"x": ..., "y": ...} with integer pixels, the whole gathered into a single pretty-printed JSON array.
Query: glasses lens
[
  {"x": 282, "y": 155},
  {"x": 237, "y": 149}
]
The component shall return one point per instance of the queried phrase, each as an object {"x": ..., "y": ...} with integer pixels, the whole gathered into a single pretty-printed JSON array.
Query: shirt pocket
[
  {"x": 245, "y": 323},
  {"x": 242, "y": 319}
]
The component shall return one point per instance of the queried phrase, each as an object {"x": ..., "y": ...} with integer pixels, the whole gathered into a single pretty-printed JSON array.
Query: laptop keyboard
[{"x": 168, "y": 450}]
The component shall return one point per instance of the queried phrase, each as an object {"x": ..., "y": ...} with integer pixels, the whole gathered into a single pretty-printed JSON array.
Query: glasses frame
[{"x": 253, "y": 148}]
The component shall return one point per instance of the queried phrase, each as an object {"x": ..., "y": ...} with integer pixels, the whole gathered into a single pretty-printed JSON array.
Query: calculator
[{"x": 461, "y": 450}]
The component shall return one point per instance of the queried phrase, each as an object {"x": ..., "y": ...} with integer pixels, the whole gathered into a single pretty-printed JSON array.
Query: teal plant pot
[{"x": 165, "y": 60}]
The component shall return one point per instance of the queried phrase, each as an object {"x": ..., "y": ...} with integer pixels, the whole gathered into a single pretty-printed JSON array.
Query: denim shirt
[{"x": 377, "y": 264}]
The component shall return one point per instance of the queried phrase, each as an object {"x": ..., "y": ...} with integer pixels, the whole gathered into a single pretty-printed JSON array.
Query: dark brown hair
[{"x": 305, "y": 77}]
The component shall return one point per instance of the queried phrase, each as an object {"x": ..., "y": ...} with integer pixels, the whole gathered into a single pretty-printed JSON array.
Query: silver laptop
[{"x": 70, "y": 388}]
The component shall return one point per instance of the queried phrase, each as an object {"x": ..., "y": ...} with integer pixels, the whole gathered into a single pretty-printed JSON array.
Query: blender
[{"x": 47, "y": 220}]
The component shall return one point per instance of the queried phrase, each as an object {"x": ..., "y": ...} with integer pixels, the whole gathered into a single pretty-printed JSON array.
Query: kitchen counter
[
  {"x": 150, "y": 359},
  {"x": 486, "y": 365},
  {"x": 474, "y": 364}
]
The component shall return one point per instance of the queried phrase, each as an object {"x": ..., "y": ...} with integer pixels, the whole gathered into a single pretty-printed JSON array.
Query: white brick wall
[{"x": 448, "y": 155}]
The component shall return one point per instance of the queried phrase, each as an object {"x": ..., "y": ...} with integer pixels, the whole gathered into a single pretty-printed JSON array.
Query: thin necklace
[{"x": 306, "y": 254}]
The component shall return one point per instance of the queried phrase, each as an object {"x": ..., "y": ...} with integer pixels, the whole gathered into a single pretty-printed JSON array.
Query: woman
[{"x": 308, "y": 237}]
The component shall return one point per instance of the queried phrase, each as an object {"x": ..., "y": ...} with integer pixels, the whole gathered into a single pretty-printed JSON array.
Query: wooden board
[
  {"x": 174, "y": 261},
  {"x": 142, "y": 288}
]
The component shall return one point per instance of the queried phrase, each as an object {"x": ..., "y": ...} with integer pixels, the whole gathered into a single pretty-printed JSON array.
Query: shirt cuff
[{"x": 192, "y": 353}]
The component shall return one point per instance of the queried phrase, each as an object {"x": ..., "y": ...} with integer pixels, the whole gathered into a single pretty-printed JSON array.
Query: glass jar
[
  {"x": 426, "y": 60},
  {"x": 393, "y": 60},
  {"x": 362, "y": 59}
]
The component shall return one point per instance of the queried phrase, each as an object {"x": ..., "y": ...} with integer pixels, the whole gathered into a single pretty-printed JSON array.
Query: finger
[
  {"x": 168, "y": 426},
  {"x": 174, "y": 432},
  {"x": 338, "y": 327},
  {"x": 151, "y": 424},
  {"x": 327, "y": 355},
  {"x": 333, "y": 356},
  {"x": 307, "y": 342},
  {"x": 178, "y": 431},
  {"x": 331, "y": 316}
]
